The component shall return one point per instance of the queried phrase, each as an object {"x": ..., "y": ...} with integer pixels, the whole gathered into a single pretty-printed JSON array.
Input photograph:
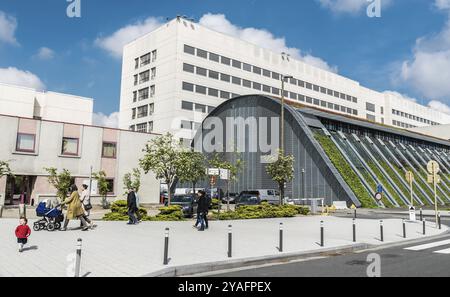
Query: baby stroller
[{"x": 51, "y": 217}]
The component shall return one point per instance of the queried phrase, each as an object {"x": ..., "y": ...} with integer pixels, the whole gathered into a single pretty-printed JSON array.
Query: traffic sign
[
  {"x": 433, "y": 167},
  {"x": 380, "y": 188},
  {"x": 412, "y": 213},
  {"x": 213, "y": 171},
  {"x": 224, "y": 174},
  {"x": 379, "y": 196},
  {"x": 409, "y": 176}
]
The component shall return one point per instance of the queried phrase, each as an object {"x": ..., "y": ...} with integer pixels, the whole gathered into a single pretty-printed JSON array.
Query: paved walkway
[{"x": 116, "y": 249}]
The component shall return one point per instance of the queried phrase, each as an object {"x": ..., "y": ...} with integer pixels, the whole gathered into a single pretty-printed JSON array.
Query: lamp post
[{"x": 283, "y": 80}]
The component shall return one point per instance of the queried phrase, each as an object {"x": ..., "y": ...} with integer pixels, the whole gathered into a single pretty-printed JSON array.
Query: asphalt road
[{"x": 426, "y": 259}]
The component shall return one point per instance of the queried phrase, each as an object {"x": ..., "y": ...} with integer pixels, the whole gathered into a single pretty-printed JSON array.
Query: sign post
[
  {"x": 225, "y": 175},
  {"x": 412, "y": 210},
  {"x": 433, "y": 177}
]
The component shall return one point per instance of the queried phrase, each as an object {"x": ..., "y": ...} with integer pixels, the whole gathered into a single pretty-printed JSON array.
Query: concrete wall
[{"x": 48, "y": 153}]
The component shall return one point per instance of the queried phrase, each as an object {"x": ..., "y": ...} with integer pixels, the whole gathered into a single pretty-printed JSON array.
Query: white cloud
[
  {"x": 260, "y": 37},
  {"x": 439, "y": 106},
  {"x": 110, "y": 121},
  {"x": 45, "y": 53},
  {"x": 114, "y": 43},
  {"x": 350, "y": 6},
  {"x": 442, "y": 4},
  {"x": 8, "y": 26},
  {"x": 14, "y": 76}
]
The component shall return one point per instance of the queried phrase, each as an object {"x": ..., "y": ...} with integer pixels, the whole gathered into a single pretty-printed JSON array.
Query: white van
[{"x": 271, "y": 196}]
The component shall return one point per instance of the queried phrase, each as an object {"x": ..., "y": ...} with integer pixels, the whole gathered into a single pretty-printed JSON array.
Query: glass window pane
[
  {"x": 70, "y": 146},
  {"x": 25, "y": 142},
  {"x": 109, "y": 150}
]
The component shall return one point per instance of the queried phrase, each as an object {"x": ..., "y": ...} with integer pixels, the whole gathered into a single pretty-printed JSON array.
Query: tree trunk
[
  {"x": 281, "y": 194},
  {"x": 193, "y": 187}
]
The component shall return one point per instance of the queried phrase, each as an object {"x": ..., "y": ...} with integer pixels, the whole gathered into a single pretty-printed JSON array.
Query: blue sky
[{"x": 407, "y": 50}]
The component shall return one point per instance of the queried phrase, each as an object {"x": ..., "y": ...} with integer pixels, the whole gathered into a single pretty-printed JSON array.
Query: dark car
[
  {"x": 233, "y": 198},
  {"x": 187, "y": 202},
  {"x": 248, "y": 198}
]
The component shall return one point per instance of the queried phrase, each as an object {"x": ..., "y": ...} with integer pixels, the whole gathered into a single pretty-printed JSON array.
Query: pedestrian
[
  {"x": 138, "y": 205},
  {"x": 132, "y": 207},
  {"x": 85, "y": 199},
  {"x": 74, "y": 209},
  {"x": 202, "y": 211},
  {"x": 22, "y": 233}
]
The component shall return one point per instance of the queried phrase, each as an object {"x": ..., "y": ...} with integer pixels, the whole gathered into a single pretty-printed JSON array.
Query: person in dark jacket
[
  {"x": 202, "y": 210},
  {"x": 132, "y": 207}
]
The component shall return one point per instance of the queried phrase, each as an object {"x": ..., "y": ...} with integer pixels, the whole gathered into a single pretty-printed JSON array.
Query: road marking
[
  {"x": 428, "y": 246},
  {"x": 445, "y": 252}
]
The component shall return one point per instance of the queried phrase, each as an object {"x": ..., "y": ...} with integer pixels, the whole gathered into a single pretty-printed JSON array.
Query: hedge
[
  {"x": 119, "y": 213},
  {"x": 262, "y": 211}
]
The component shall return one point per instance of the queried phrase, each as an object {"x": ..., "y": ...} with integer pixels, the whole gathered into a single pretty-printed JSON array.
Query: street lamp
[{"x": 283, "y": 79}]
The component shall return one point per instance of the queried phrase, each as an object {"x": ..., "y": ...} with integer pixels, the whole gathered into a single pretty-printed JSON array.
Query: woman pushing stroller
[{"x": 74, "y": 209}]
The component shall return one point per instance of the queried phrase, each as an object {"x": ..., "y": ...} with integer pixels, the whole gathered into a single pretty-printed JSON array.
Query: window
[
  {"x": 202, "y": 54},
  {"x": 370, "y": 107},
  {"x": 69, "y": 146},
  {"x": 323, "y": 90},
  {"x": 186, "y": 125},
  {"x": 316, "y": 102},
  {"x": 213, "y": 92},
  {"x": 136, "y": 63},
  {"x": 200, "y": 108},
  {"x": 309, "y": 100},
  {"x": 25, "y": 142},
  {"x": 132, "y": 128},
  {"x": 293, "y": 95},
  {"x": 349, "y": 98},
  {"x": 275, "y": 75},
  {"x": 336, "y": 94},
  {"x": 135, "y": 79},
  {"x": 200, "y": 89},
  {"x": 143, "y": 94},
  {"x": 201, "y": 71},
  {"x": 109, "y": 150},
  {"x": 188, "y": 87},
  {"x": 323, "y": 103},
  {"x": 301, "y": 98},
  {"x": 225, "y": 77},
  {"x": 236, "y": 80},
  {"x": 134, "y": 96},
  {"x": 354, "y": 100},
  {"x": 188, "y": 68},
  {"x": 316, "y": 88},
  {"x": 153, "y": 70},
  {"x": 266, "y": 73},
  {"x": 142, "y": 111},
  {"x": 330, "y": 92},
  {"x": 213, "y": 74},
  {"x": 247, "y": 83},
  {"x": 145, "y": 59},
  {"x": 110, "y": 186},
  {"x": 266, "y": 89},
  {"x": 214, "y": 57},
  {"x": 225, "y": 61},
  {"x": 224, "y": 95},
  {"x": 144, "y": 76},
  {"x": 187, "y": 105},
  {"x": 343, "y": 96},
  {"x": 293, "y": 81},
  {"x": 308, "y": 86},
  {"x": 382, "y": 109},
  {"x": 133, "y": 113},
  {"x": 150, "y": 126},
  {"x": 152, "y": 91},
  {"x": 151, "y": 109},
  {"x": 371, "y": 118},
  {"x": 189, "y": 50},
  {"x": 142, "y": 128},
  {"x": 257, "y": 70},
  {"x": 237, "y": 64},
  {"x": 257, "y": 86},
  {"x": 275, "y": 91},
  {"x": 247, "y": 67},
  {"x": 301, "y": 83}
]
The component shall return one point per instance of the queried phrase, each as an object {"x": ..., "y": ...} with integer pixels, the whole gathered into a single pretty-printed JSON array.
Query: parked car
[
  {"x": 270, "y": 196},
  {"x": 248, "y": 198},
  {"x": 188, "y": 204},
  {"x": 233, "y": 197}
]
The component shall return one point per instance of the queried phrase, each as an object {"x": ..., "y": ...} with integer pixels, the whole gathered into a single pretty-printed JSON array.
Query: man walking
[{"x": 132, "y": 207}]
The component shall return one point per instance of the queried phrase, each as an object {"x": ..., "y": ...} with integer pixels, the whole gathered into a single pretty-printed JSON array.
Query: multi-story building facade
[
  {"x": 31, "y": 145},
  {"x": 176, "y": 75},
  {"x": 51, "y": 106}
]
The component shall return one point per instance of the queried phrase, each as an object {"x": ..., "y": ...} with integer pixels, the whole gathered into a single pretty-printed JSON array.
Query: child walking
[{"x": 22, "y": 233}]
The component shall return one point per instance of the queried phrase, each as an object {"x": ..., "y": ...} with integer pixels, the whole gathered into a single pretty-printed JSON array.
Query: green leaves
[
  {"x": 132, "y": 180},
  {"x": 219, "y": 161},
  {"x": 60, "y": 181},
  {"x": 192, "y": 167},
  {"x": 282, "y": 171}
]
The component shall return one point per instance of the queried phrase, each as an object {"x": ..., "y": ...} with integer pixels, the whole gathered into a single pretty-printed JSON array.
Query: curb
[{"x": 191, "y": 269}]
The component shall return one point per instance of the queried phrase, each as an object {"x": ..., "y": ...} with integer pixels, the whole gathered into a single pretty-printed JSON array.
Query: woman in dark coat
[
  {"x": 132, "y": 207},
  {"x": 202, "y": 210}
]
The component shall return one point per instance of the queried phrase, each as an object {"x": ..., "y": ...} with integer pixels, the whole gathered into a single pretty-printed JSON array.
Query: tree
[
  {"x": 132, "y": 180},
  {"x": 163, "y": 156},
  {"x": 102, "y": 186},
  {"x": 5, "y": 170},
  {"x": 192, "y": 167},
  {"x": 60, "y": 181},
  {"x": 282, "y": 172}
]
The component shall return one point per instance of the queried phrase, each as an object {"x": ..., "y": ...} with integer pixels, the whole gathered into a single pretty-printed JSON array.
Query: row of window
[
  {"x": 142, "y": 127},
  {"x": 189, "y": 125},
  {"x": 145, "y": 59},
  {"x": 320, "y": 103},
  {"x": 208, "y": 91},
  {"x": 186, "y": 105},
  {"x": 264, "y": 72},
  {"x": 414, "y": 118},
  {"x": 402, "y": 125},
  {"x": 145, "y": 76},
  {"x": 144, "y": 93},
  {"x": 143, "y": 111},
  {"x": 70, "y": 146}
]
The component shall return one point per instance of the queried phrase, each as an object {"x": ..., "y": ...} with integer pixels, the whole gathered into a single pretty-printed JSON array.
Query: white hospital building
[{"x": 174, "y": 76}]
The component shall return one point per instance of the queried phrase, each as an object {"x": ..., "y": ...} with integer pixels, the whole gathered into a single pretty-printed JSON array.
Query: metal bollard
[
  {"x": 381, "y": 231},
  {"x": 404, "y": 228},
  {"x": 78, "y": 258},
  {"x": 322, "y": 243},
  {"x": 354, "y": 230},
  {"x": 230, "y": 241},
  {"x": 354, "y": 214},
  {"x": 280, "y": 247},
  {"x": 421, "y": 214},
  {"x": 424, "y": 226},
  {"x": 439, "y": 221},
  {"x": 1, "y": 211},
  {"x": 166, "y": 247}
]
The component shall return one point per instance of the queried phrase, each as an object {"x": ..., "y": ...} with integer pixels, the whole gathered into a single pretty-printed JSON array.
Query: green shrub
[
  {"x": 262, "y": 211},
  {"x": 115, "y": 216},
  {"x": 347, "y": 173},
  {"x": 215, "y": 203}
]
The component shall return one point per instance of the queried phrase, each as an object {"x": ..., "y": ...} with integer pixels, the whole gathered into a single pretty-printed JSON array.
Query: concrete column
[{"x": 2, "y": 190}]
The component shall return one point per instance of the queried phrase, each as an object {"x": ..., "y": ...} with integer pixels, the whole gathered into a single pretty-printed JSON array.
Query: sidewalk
[
  {"x": 116, "y": 249},
  {"x": 404, "y": 212}
]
